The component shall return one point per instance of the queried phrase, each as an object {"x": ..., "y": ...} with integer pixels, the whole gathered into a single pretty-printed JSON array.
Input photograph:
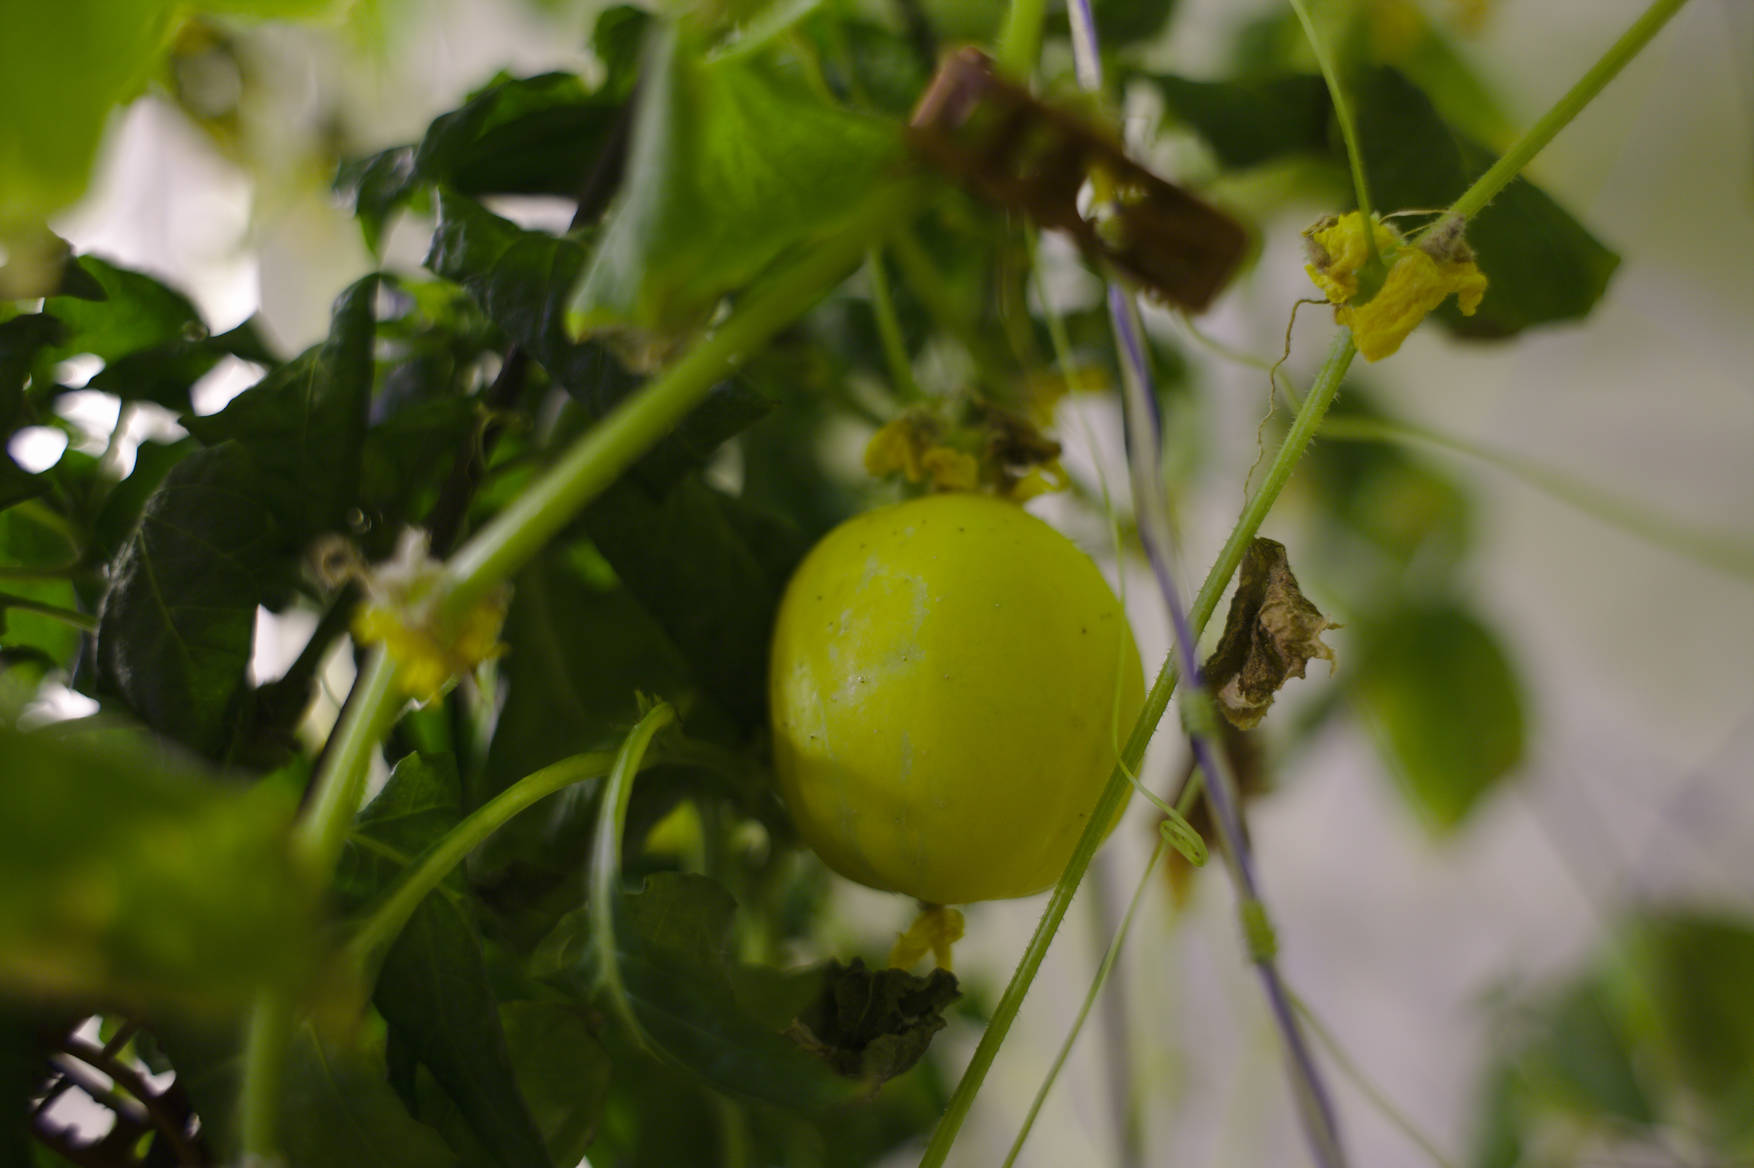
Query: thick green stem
[
  {"x": 1114, "y": 795},
  {"x": 388, "y": 919},
  {"x": 265, "y": 1044},
  {"x": 1487, "y": 186},
  {"x": 1020, "y": 40}
]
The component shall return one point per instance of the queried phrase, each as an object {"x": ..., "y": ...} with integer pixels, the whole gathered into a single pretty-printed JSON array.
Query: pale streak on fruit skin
[{"x": 942, "y": 689}]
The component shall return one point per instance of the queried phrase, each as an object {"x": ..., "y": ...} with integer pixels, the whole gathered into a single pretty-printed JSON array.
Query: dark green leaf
[
  {"x": 1434, "y": 685},
  {"x": 164, "y": 373},
  {"x": 22, "y": 340},
  {"x": 420, "y": 802},
  {"x": 132, "y": 878},
  {"x": 18, "y": 484},
  {"x": 563, "y": 1073},
  {"x": 671, "y": 941},
  {"x": 729, "y": 165},
  {"x": 434, "y": 993},
  {"x": 1543, "y": 265},
  {"x": 520, "y": 278},
  {"x": 710, "y": 570},
  {"x": 1248, "y": 122},
  {"x": 339, "y": 1112},
  {"x": 872, "y": 1025},
  {"x": 123, "y": 505},
  {"x": 137, "y": 312},
  {"x": 303, "y": 426},
  {"x": 177, "y": 624},
  {"x": 27, "y": 543}
]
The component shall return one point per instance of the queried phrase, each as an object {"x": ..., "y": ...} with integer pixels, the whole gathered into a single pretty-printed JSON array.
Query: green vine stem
[
  {"x": 1020, "y": 40},
  {"x": 1536, "y": 137},
  {"x": 1342, "y": 114},
  {"x": 605, "y": 871},
  {"x": 1114, "y": 795},
  {"x": 387, "y": 920},
  {"x": 889, "y": 329}
]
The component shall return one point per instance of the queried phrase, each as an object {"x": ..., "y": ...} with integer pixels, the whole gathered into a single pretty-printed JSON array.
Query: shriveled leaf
[
  {"x": 872, "y": 1025},
  {"x": 729, "y": 164},
  {"x": 129, "y": 877},
  {"x": 1272, "y": 632},
  {"x": 1446, "y": 707}
]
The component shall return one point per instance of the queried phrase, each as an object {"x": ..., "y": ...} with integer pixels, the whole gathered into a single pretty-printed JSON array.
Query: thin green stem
[
  {"x": 516, "y": 534},
  {"x": 1020, "y": 40},
  {"x": 1725, "y": 553},
  {"x": 901, "y": 370},
  {"x": 82, "y": 621},
  {"x": 1115, "y": 793},
  {"x": 336, "y": 791},
  {"x": 387, "y": 920},
  {"x": 1343, "y": 115},
  {"x": 605, "y": 874},
  {"x": 1184, "y": 805},
  {"x": 1375, "y": 1094},
  {"x": 1536, "y": 137}
]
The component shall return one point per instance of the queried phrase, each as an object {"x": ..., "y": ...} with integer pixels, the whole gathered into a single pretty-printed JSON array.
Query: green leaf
[
  {"x": 563, "y": 1073},
  {"x": 303, "y": 426},
  {"x": 27, "y": 543},
  {"x": 136, "y": 312},
  {"x": 63, "y": 67},
  {"x": 543, "y": 135},
  {"x": 133, "y": 879},
  {"x": 177, "y": 623},
  {"x": 434, "y": 993},
  {"x": 521, "y": 278},
  {"x": 340, "y": 1112},
  {"x": 729, "y": 165},
  {"x": 22, "y": 340},
  {"x": 710, "y": 570},
  {"x": 164, "y": 373},
  {"x": 1251, "y": 121},
  {"x": 1543, "y": 265},
  {"x": 420, "y": 802},
  {"x": 671, "y": 941},
  {"x": 18, "y": 484},
  {"x": 1446, "y": 707}
]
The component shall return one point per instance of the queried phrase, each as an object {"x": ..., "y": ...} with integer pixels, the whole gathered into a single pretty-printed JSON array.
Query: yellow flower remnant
[
  {"x": 982, "y": 448},
  {"x": 1420, "y": 277},
  {"x": 934, "y": 931},
  {"x": 400, "y": 615}
]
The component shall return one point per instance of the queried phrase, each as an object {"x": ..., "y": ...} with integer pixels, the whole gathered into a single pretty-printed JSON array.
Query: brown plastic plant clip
[{"x": 1000, "y": 141}]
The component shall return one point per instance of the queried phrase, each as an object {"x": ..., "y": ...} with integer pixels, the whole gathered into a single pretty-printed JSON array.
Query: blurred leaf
[
  {"x": 671, "y": 940},
  {"x": 419, "y": 802},
  {"x": 563, "y": 1074},
  {"x": 1251, "y": 121},
  {"x": 710, "y": 570},
  {"x": 136, "y": 312},
  {"x": 26, "y": 543},
  {"x": 521, "y": 278},
  {"x": 543, "y": 135},
  {"x": 130, "y": 878},
  {"x": 176, "y": 626},
  {"x": 1270, "y": 634},
  {"x": 1447, "y": 708},
  {"x": 63, "y": 66},
  {"x": 728, "y": 166},
  {"x": 18, "y": 484},
  {"x": 433, "y": 992},
  {"x": 164, "y": 373},
  {"x": 22, "y": 340},
  {"x": 872, "y": 1025},
  {"x": 407, "y": 457},
  {"x": 303, "y": 426},
  {"x": 1122, "y": 24},
  {"x": 341, "y": 1113},
  {"x": 1543, "y": 265}
]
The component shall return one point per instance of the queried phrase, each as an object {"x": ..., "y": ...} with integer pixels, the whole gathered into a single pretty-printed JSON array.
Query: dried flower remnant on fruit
[
  {"x": 1272, "y": 632},
  {"x": 871, "y": 1025},
  {"x": 970, "y": 446},
  {"x": 399, "y": 614},
  {"x": 1420, "y": 276}
]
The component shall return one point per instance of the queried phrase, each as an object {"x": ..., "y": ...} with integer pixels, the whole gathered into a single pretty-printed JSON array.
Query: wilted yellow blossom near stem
[
  {"x": 400, "y": 615},
  {"x": 1419, "y": 278}
]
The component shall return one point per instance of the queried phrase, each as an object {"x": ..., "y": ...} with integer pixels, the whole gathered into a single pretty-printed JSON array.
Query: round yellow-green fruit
[{"x": 949, "y": 681}]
